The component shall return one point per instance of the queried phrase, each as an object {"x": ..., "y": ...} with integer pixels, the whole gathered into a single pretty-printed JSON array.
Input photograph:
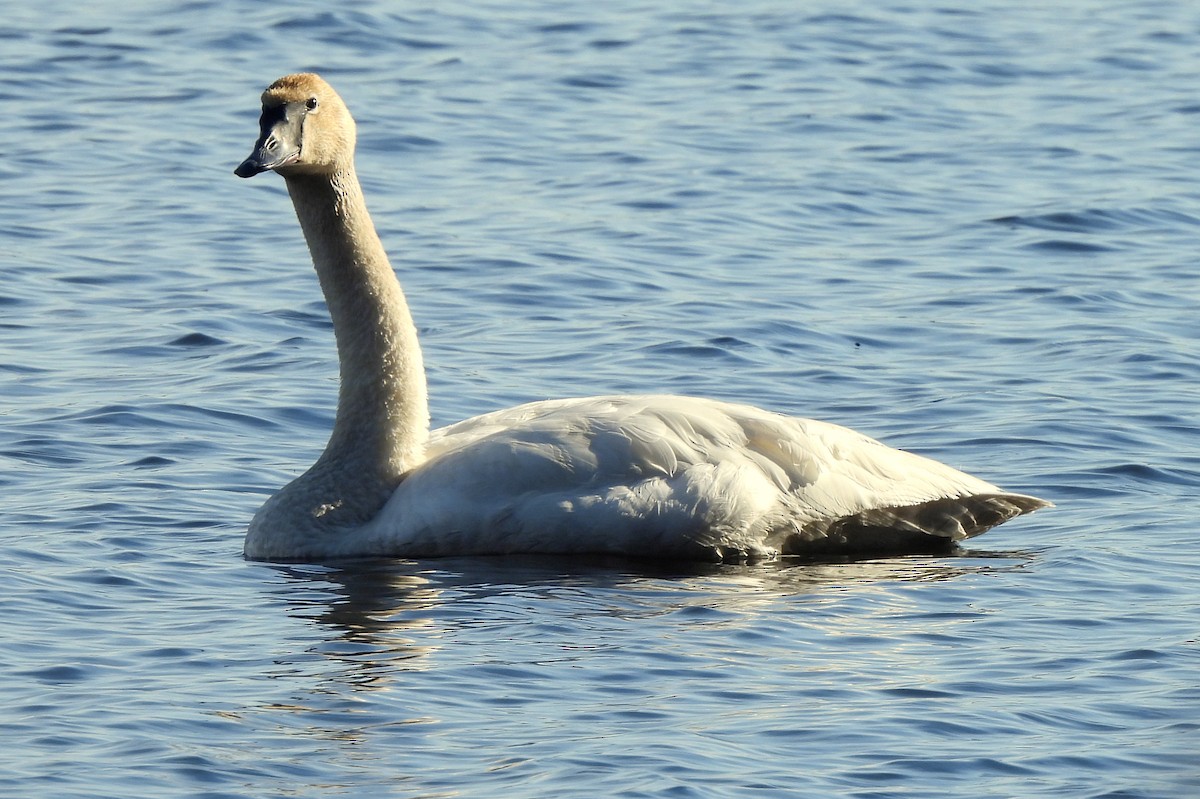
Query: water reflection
[
  {"x": 429, "y": 665},
  {"x": 379, "y": 614},
  {"x": 385, "y": 616}
]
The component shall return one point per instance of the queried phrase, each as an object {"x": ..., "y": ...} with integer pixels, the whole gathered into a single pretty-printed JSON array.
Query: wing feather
[{"x": 677, "y": 475}]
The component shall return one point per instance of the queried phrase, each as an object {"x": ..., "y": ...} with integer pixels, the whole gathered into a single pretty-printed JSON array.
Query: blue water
[{"x": 971, "y": 231}]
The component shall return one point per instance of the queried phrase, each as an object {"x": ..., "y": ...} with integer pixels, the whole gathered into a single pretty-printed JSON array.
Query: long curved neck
[{"x": 383, "y": 410}]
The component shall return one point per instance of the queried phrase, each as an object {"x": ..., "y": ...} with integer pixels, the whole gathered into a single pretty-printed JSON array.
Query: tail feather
[{"x": 925, "y": 527}]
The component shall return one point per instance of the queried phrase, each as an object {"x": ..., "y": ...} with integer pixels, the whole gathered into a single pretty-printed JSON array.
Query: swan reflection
[
  {"x": 389, "y": 616},
  {"x": 452, "y": 661}
]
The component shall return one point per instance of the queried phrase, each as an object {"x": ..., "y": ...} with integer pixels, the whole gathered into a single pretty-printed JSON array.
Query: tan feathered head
[{"x": 304, "y": 128}]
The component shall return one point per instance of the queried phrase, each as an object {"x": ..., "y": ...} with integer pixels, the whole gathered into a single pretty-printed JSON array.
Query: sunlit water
[{"x": 970, "y": 232}]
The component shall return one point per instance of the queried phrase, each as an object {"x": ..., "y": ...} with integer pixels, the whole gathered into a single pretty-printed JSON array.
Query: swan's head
[{"x": 304, "y": 128}]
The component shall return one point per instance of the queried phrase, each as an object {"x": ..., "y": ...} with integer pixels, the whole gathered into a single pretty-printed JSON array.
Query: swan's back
[{"x": 675, "y": 477}]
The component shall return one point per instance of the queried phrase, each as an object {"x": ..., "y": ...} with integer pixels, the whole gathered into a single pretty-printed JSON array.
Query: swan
[{"x": 667, "y": 477}]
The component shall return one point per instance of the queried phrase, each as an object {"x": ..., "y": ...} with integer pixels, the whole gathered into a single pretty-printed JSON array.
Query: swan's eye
[{"x": 311, "y": 104}]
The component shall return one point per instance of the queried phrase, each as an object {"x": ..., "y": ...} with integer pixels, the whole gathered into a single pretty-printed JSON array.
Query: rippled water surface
[{"x": 970, "y": 230}]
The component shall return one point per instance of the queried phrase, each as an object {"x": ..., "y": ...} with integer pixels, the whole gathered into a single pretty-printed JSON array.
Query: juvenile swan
[{"x": 650, "y": 476}]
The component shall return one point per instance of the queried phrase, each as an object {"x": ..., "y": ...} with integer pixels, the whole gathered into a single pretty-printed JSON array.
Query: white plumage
[{"x": 648, "y": 476}]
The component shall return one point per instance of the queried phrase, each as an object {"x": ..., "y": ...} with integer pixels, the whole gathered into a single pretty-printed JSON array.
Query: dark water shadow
[
  {"x": 363, "y": 599},
  {"x": 384, "y": 630}
]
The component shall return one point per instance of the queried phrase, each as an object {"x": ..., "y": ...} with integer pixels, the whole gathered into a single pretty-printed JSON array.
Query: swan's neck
[{"x": 382, "y": 420}]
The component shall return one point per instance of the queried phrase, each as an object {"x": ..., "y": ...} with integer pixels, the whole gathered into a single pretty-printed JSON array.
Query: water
[{"x": 969, "y": 231}]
